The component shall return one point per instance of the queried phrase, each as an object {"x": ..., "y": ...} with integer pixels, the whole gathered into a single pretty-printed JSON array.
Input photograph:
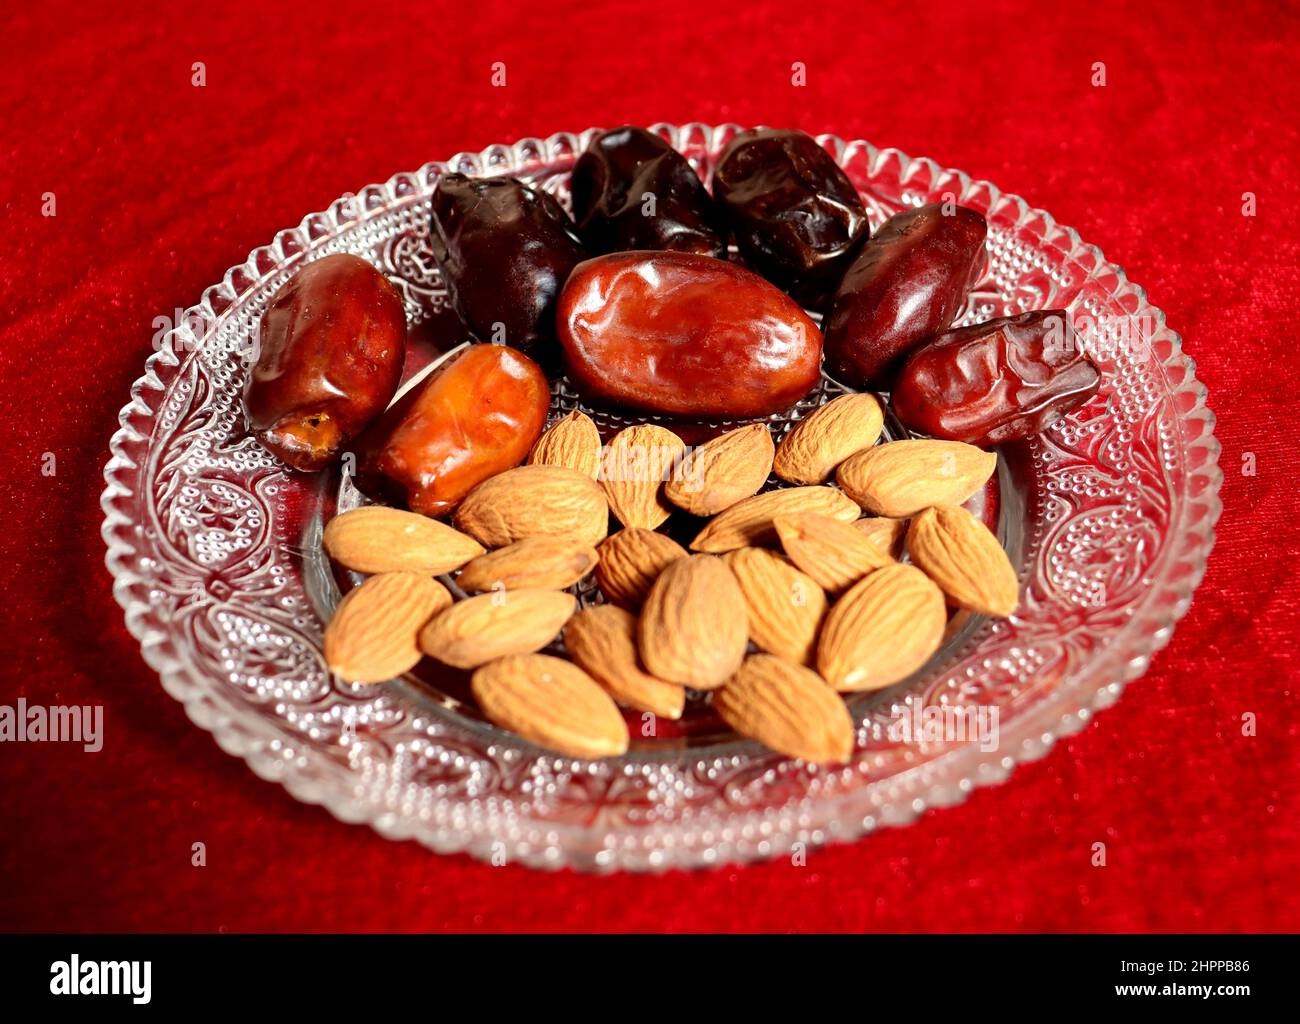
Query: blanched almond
[
  {"x": 379, "y": 539},
  {"x": 473, "y": 632}
]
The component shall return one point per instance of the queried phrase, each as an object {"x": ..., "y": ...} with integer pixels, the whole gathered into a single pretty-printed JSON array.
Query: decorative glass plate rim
[{"x": 305, "y": 773}]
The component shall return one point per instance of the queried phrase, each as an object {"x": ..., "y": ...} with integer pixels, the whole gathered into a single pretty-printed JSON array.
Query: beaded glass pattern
[{"x": 215, "y": 552}]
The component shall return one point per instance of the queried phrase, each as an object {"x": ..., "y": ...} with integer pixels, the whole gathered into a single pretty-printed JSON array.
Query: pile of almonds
[{"x": 817, "y": 588}]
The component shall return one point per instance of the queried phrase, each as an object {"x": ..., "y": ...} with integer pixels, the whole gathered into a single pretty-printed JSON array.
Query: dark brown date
[
  {"x": 1004, "y": 380},
  {"x": 475, "y": 416},
  {"x": 796, "y": 217},
  {"x": 907, "y": 284},
  {"x": 631, "y": 190},
  {"x": 685, "y": 335},
  {"x": 505, "y": 250},
  {"x": 331, "y": 345}
]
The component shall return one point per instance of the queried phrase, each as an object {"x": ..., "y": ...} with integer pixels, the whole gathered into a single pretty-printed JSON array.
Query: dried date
[
  {"x": 475, "y": 416},
  {"x": 907, "y": 284},
  {"x": 631, "y": 190},
  {"x": 796, "y": 217},
  {"x": 505, "y": 250},
  {"x": 331, "y": 345},
  {"x": 685, "y": 335},
  {"x": 990, "y": 383}
]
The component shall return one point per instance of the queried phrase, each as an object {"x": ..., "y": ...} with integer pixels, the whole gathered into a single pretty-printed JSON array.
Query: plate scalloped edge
[{"x": 302, "y": 773}]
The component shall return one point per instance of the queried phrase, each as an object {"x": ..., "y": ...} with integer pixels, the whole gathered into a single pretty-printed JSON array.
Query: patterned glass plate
[{"x": 215, "y": 553}]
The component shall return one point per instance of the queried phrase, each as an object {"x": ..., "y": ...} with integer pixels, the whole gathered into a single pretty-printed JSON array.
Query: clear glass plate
[{"x": 215, "y": 553}]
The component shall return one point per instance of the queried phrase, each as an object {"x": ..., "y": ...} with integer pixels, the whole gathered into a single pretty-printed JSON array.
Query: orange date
[{"x": 477, "y": 415}]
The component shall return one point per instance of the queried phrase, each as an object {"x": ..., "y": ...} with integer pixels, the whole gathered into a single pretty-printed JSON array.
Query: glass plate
[{"x": 215, "y": 553}]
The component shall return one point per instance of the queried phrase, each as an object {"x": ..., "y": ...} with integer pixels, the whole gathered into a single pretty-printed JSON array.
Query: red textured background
[{"x": 161, "y": 186}]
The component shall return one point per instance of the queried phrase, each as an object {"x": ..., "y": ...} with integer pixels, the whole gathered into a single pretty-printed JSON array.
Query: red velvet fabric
[{"x": 160, "y": 186}]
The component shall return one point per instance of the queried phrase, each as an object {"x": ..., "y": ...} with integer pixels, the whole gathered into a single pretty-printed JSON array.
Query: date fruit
[
  {"x": 1004, "y": 380},
  {"x": 505, "y": 250},
  {"x": 685, "y": 335},
  {"x": 632, "y": 190},
  {"x": 797, "y": 218},
  {"x": 331, "y": 345},
  {"x": 475, "y": 416},
  {"x": 907, "y": 284}
]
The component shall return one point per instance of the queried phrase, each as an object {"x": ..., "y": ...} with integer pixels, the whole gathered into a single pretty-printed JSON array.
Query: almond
[
  {"x": 634, "y": 466},
  {"x": 541, "y": 562},
  {"x": 887, "y": 534},
  {"x": 474, "y": 631},
  {"x": 784, "y": 608},
  {"x": 788, "y": 708},
  {"x": 526, "y": 501},
  {"x": 749, "y": 522},
  {"x": 722, "y": 471},
  {"x": 372, "y": 636},
  {"x": 901, "y": 478},
  {"x": 830, "y": 551},
  {"x": 884, "y": 629},
  {"x": 963, "y": 557},
  {"x": 379, "y": 539},
  {"x": 573, "y": 442},
  {"x": 602, "y": 640},
  {"x": 833, "y": 432},
  {"x": 551, "y": 702},
  {"x": 692, "y": 629},
  {"x": 630, "y": 561}
]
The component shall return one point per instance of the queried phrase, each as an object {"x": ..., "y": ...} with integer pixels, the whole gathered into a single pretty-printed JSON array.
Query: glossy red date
[
  {"x": 907, "y": 284},
  {"x": 685, "y": 335},
  {"x": 331, "y": 346},
  {"x": 990, "y": 383},
  {"x": 475, "y": 416}
]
